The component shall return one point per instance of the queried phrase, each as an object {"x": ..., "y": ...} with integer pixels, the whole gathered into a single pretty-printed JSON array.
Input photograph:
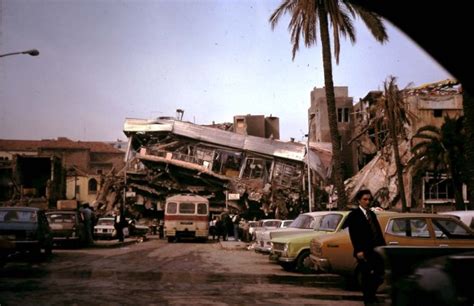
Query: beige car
[{"x": 334, "y": 253}]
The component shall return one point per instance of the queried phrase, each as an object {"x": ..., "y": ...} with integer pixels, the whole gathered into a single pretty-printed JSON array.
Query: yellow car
[{"x": 334, "y": 253}]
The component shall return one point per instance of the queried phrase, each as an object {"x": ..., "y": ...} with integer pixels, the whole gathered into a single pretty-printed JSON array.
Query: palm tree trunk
[
  {"x": 393, "y": 135},
  {"x": 331, "y": 105},
  {"x": 457, "y": 185},
  {"x": 468, "y": 106}
]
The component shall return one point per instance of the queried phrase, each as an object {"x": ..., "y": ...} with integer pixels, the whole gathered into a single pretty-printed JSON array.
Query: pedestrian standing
[
  {"x": 213, "y": 228},
  {"x": 119, "y": 224},
  {"x": 366, "y": 235},
  {"x": 221, "y": 229},
  {"x": 236, "y": 223},
  {"x": 88, "y": 222}
]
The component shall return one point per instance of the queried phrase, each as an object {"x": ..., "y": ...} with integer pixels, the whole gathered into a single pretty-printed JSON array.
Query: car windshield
[
  {"x": 275, "y": 223},
  {"x": 304, "y": 221},
  {"x": 17, "y": 216}
]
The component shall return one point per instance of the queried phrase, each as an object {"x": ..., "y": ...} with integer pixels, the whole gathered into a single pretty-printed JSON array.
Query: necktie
[{"x": 373, "y": 227}]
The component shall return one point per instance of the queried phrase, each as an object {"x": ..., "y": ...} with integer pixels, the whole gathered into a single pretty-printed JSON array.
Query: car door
[
  {"x": 450, "y": 232},
  {"x": 409, "y": 231}
]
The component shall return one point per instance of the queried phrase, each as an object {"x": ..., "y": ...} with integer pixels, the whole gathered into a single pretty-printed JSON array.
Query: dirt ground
[{"x": 159, "y": 273}]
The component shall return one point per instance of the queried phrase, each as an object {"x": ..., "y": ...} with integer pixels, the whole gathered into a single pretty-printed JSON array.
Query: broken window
[
  {"x": 204, "y": 156},
  {"x": 228, "y": 163},
  {"x": 256, "y": 168},
  {"x": 286, "y": 174}
]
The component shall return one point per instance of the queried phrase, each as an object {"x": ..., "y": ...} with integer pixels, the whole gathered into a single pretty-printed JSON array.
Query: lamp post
[
  {"x": 32, "y": 52},
  {"x": 310, "y": 193},
  {"x": 310, "y": 188}
]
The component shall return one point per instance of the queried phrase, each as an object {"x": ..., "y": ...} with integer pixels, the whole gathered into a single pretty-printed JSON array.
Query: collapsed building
[
  {"x": 252, "y": 175},
  {"x": 429, "y": 104}
]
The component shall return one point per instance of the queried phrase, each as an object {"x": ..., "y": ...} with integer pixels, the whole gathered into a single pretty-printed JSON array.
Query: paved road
[{"x": 159, "y": 273}]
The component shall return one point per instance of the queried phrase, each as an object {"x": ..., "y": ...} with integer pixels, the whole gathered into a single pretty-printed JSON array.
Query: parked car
[
  {"x": 306, "y": 222},
  {"x": 264, "y": 224},
  {"x": 334, "y": 253},
  {"x": 292, "y": 252},
  {"x": 466, "y": 216},
  {"x": 67, "y": 226},
  {"x": 24, "y": 230},
  {"x": 137, "y": 229},
  {"x": 104, "y": 229},
  {"x": 421, "y": 275}
]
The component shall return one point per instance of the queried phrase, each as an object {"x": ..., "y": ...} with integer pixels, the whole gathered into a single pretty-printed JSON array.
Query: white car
[
  {"x": 105, "y": 229},
  {"x": 466, "y": 216},
  {"x": 306, "y": 222},
  {"x": 264, "y": 224}
]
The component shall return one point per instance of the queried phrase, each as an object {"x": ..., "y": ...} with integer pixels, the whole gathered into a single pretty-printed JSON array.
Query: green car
[{"x": 292, "y": 252}]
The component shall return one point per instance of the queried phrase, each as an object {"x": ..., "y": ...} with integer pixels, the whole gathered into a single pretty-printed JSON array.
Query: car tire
[
  {"x": 303, "y": 262},
  {"x": 170, "y": 239}
]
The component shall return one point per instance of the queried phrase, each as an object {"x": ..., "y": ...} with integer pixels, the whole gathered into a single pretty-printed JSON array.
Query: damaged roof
[{"x": 286, "y": 150}]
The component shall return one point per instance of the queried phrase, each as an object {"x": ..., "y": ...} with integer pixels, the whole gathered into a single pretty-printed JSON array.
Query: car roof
[
  {"x": 458, "y": 213},
  {"x": 24, "y": 208},
  {"x": 61, "y": 212}
]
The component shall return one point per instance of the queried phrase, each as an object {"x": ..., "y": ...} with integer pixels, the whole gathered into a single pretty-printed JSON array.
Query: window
[
  {"x": 450, "y": 229},
  {"x": 202, "y": 209},
  {"x": 255, "y": 168},
  {"x": 92, "y": 186},
  {"x": 287, "y": 175},
  {"x": 405, "y": 227},
  {"x": 99, "y": 171},
  {"x": 343, "y": 114},
  {"x": 438, "y": 189},
  {"x": 171, "y": 208},
  {"x": 330, "y": 222},
  {"x": 187, "y": 208},
  {"x": 437, "y": 113}
]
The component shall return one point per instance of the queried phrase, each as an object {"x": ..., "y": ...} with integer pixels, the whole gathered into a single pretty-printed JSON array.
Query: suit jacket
[{"x": 362, "y": 237}]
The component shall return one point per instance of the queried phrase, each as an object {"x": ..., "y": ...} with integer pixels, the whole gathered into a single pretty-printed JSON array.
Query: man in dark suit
[{"x": 365, "y": 233}]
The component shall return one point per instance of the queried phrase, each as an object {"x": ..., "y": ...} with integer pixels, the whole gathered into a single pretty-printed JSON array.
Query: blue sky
[{"x": 102, "y": 61}]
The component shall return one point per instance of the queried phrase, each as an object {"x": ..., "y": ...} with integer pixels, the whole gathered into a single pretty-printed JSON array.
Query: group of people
[
  {"x": 224, "y": 225},
  {"x": 90, "y": 219}
]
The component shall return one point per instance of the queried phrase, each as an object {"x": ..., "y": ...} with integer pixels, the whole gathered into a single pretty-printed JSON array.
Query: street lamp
[
  {"x": 32, "y": 52},
  {"x": 310, "y": 187}
]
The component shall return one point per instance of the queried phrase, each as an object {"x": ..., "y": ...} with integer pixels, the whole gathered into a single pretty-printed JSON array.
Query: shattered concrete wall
[{"x": 380, "y": 177}]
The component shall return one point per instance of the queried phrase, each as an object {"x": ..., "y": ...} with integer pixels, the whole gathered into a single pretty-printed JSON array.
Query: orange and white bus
[{"x": 186, "y": 216}]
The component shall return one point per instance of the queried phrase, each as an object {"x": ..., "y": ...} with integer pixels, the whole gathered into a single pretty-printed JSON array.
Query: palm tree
[
  {"x": 397, "y": 118},
  {"x": 441, "y": 150},
  {"x": 305, "y": 17},
  {"x": 388, "y": 118}
]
